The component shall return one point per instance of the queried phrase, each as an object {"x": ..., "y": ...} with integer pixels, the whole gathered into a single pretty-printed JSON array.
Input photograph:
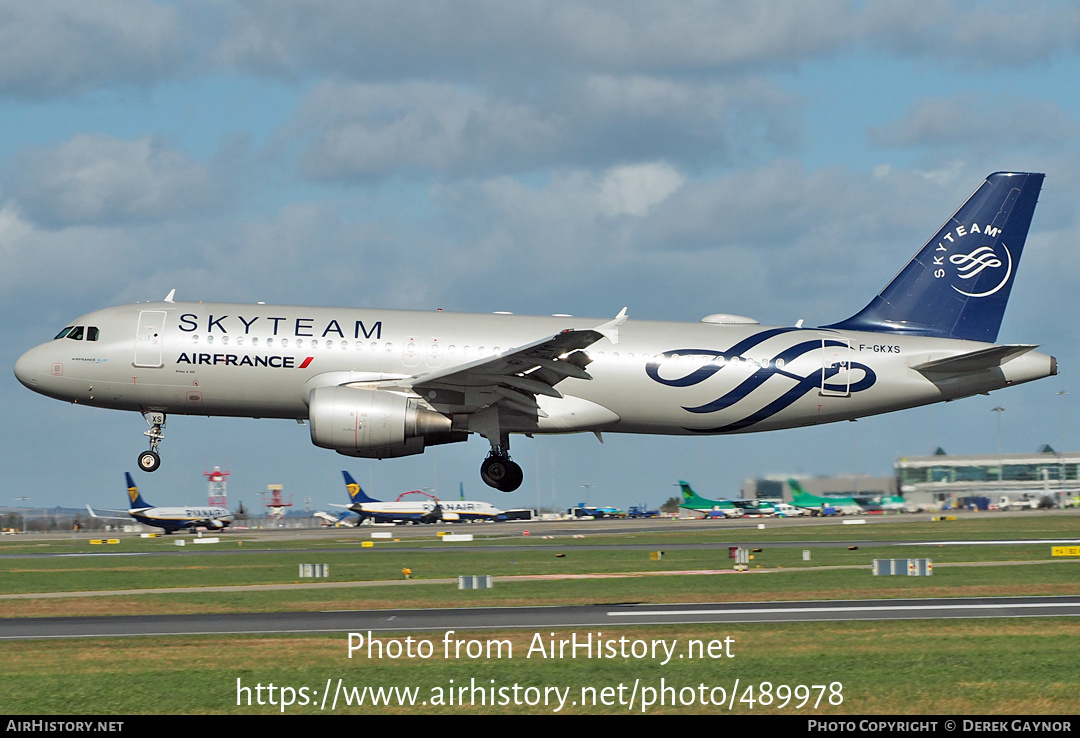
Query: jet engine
[{"x": 375, "y": 424}]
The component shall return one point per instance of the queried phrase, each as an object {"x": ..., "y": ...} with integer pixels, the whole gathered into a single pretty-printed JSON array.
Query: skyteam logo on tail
[{"x": 969, "y": 266}]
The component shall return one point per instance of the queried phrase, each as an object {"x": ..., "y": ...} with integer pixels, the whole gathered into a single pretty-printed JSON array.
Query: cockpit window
[
  {"x": 63, "y": 333},
  {"x": 76, "y": 333},
  {"x": 91, "y": 333}
]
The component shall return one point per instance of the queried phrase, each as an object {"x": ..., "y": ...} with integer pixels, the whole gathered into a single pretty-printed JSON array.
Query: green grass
[
  {"x": 961, "y": 667},
  {"x": 957, "y": 667},
  {"x": 386, "y": 563}
]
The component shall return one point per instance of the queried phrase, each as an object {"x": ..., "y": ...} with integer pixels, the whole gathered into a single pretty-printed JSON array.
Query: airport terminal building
[{"x": 943, "y": 481}]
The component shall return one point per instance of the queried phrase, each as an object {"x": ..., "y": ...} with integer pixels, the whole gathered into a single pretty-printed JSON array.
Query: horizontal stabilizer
[{"x": 975, "y": 360}]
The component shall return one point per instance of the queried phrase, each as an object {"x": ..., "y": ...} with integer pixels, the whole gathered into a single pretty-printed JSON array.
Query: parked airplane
[
  {"x": 821, "y": 505},
  {"x": 384, "y": 383},
  {"x": 334, "y": 521},
  {"x": 410, "y": 511},
  {"x": 169, "y": 518},
  {"x": 693, "y": 501}
]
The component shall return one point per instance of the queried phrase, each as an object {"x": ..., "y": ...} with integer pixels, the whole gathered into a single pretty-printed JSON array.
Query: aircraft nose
[{"x": 28, "y": 367}]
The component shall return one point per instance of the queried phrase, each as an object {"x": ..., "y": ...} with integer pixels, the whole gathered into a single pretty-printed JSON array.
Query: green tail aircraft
[{"x": 693, "y": 501}]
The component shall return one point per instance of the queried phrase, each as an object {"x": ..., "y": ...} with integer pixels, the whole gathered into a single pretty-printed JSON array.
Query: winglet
[
  {"x": 610, "y": 329},
  {"x": 169, "y": 297}
]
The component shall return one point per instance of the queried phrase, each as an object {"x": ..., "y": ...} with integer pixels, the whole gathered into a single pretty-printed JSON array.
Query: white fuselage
[
  {"x": 405, "y": 511},
  {"x": 667, "y": 378},
  {"x": 175, "y": 518}
]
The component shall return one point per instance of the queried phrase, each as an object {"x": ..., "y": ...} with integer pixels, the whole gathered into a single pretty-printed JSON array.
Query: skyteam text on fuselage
[
  {"x": 384, "y": 383},
  {"x": 171, "y": 518},
  {"x": 415, "y": 511}
]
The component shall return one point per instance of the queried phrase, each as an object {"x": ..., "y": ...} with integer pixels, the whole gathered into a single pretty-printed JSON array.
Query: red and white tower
[
  {"x": 277, "y": 501},
  {"x": 216, "y": 487}
]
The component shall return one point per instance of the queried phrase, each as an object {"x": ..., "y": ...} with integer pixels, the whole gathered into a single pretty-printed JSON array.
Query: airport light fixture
[{"x": 999, "y": 410}]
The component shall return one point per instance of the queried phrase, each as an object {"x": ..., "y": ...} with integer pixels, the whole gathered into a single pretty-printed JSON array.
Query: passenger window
[
  {"x": 63, "y": 333},
  {"x": 76, "y": 333},
  {"x": 91, "y": 334}
]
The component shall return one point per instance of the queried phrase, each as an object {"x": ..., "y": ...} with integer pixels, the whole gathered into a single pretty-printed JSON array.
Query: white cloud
[
  {"x": 93, "y": 178},
  {"x": 635, "y": 190},
  {"x": 978, "y": 122},
  {"x": 364, "y": 132},
  {"x": 52, "y": 46}
]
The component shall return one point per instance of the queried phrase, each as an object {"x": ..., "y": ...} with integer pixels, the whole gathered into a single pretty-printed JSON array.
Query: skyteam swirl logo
[
  {"x": 970, "y": 266},
  {"x": 773, "y": 370}
]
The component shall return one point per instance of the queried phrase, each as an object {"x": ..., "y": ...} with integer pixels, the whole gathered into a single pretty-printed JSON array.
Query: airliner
[
  {"x": 691, "y": 500},
  {"x": 170, "y": 519},
  {"x": 375, "y": 383},
  {"x": 411, "y": 511},
  {"x": 821, "y": 505}
]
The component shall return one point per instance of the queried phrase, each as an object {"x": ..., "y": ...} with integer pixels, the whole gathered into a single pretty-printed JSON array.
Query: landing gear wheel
[
  {"x": 501, "y": 473},
  {"x": 149, "y": 461}
]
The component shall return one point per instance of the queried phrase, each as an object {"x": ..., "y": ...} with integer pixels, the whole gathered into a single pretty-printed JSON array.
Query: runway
[{"x": 592, "y": 616}]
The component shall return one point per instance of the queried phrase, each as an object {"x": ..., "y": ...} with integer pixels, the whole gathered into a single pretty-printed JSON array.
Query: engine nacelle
[{"x": 375, "y": 424}]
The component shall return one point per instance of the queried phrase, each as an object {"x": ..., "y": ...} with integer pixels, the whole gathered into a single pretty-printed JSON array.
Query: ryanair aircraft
[
  {"x": 411, "y": 511},
  {"x": 383, "y": 383},
  {"x": 169, "y": 518}
]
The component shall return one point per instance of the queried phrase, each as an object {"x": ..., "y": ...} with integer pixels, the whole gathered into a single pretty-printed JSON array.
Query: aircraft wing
[
  {"x": 514, "y": 378},
  {"x": 107, "y": 517}
]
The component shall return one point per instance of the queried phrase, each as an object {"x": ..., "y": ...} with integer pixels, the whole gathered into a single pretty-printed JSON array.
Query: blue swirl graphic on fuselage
[{"x": 769, "y": 369}]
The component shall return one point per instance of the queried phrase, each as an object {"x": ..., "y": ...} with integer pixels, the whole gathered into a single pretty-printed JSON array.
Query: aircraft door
[
  {"x": 835, "y": 367},
  {"x": 148, "y": 338}
]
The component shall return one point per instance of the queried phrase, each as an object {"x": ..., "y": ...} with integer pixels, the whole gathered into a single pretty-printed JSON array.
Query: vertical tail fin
[
  {"x": 355, "y": 493},
  {"x": 689, "y": 495},
  {"x": 135, "y": 500},
  {"x": 958, "y": 284}
]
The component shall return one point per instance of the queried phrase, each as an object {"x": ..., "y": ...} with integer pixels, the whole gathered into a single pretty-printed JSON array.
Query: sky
[{"x": 764, "y": 158}]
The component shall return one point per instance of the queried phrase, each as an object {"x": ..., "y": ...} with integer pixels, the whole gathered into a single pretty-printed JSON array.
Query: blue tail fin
[
  {"x": 355, "y": 493},
  {"x": 959, "y": 282},
  {"x": 135, "y": 500}
]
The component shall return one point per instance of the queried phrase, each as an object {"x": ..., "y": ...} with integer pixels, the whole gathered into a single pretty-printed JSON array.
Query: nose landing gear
[{"x": 150, "y": 460}]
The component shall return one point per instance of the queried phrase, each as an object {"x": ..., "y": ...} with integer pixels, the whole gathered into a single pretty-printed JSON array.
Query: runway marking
[
  {"x": 871, "y": 608},
  {"x": 1063, "y": 541}
]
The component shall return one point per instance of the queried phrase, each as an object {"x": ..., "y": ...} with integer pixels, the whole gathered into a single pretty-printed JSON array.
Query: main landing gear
[
  {"x": 149, "y": 460},
  {"x": 500, "y": 472}
]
